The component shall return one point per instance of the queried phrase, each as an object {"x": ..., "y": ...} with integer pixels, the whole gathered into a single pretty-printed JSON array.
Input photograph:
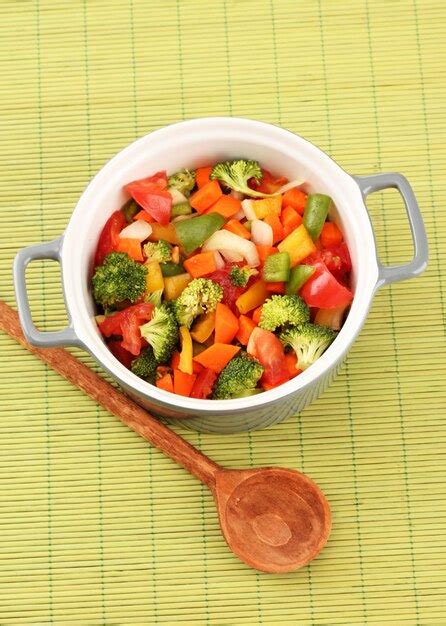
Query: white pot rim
[{"x": 367, "y": 269}]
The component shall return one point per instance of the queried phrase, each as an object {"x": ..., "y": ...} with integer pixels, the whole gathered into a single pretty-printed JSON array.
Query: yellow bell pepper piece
[
  {"x": 298, "y": 244},
  {"x": 159, "y": 231},
  {"x": 331, "y": 317},
  {"x": 267, "y": 206},
  {"x": 174, "y": 285},
  {"x": 154, "y": 277},
  {"x": 253, "y": 297},
  {"x": 203, "y": 327},
  {"x": 186, "y": 354}
]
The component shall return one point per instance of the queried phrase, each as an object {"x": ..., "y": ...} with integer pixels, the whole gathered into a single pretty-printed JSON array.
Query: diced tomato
[
  {"x": 203, "y": 384},
  {"x": 337, "y": 259},
  {"x": 268, "y": 350},
  {"x": 230, "y": 291},
  {"x": 123, "y": 356},
  {"x": 269, "y": 183},
  {"x": 109, "y": 237},
  {"x": 126, "y": 323},
  {"x": 322, "y": 290},
  {"x": 151, "y": 193}
]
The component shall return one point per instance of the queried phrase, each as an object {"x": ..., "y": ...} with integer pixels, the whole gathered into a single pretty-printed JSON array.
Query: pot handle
[
  {"x": 65, "y": 337},
  {"x": 392, "y": 180}
]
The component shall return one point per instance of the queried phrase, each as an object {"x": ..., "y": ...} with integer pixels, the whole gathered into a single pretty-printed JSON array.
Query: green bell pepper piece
[
  {"x": 183, "y": 208},
  {"x": 298, "y": 277},
  {"x": 277, "y": 267},
  {"x": 171, "y": 269},
  {"x": 315, "y": 214},
  {"x": 193, "y": 233}
]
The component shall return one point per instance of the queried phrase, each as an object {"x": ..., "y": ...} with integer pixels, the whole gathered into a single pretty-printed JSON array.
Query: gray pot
[{"x": 191, "y": 144}]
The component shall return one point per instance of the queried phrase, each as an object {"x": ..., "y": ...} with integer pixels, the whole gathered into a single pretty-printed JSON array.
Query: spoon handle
[{"x": 130, "y": 413}]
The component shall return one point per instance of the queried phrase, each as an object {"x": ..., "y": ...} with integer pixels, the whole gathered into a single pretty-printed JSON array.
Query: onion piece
[
  {"x": 248, "y": 209},
  {"x": 236, "y": 194},
  {"x": 139, "y": 230},
  {"x": 293, "y": 183},
  {"x": 224, "y": 241},
  {"x": 177, "y": 196},
  {"x": 261, "y": 233},
  {"x": 239, "y": 216},
  {"x": 180, "y": 218},
  {"x": 219, "y": 261},
  {"x": 231, "y": 256}
]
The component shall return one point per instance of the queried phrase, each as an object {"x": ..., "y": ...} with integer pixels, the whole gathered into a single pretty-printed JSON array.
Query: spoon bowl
[{"x": 275, "y": 520}]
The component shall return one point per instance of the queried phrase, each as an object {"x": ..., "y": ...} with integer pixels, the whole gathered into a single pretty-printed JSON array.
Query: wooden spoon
[{"x": 273, "y": 519}]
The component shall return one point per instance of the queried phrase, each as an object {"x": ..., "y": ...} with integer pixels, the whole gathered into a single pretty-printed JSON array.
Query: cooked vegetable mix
[{"x": 222, "y": 282}]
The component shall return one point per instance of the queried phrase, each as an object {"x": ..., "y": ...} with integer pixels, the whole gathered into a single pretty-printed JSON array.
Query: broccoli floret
[
  {"x": 161, "y": 333},
  {"x": 200, "y": 296},
  {"x": 235, "y": 174},
  {"x": 160, "y": 251},
  {"x": 184, "y": 181},
  {"x": 284, "y": 311},
  {"x": 130, "y": 209},
  {"x": 145, "y": 365},
  {"x": 239, "y": 376},
  {"x": 119, "y": 278},
  {"x": 308, "y": 341},
  {"x": 155, "y": 298},
  {"x": 240, "y": 275}
]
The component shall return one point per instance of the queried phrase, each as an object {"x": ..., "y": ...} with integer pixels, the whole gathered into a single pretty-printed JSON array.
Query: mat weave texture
[{"x": 96, "y": 528}]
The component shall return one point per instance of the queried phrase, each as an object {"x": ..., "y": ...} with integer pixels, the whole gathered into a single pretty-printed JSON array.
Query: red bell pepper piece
[
  {"x": 323, "y": 291},
  {"x": 109, "y": 237},
  {"x": 203, "y": 384}
]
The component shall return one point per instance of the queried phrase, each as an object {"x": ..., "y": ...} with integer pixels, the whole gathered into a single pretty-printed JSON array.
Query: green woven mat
[{"x": 96, "y": 527}]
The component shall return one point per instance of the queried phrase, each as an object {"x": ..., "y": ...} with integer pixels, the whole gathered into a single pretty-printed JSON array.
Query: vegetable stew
[{"x": 220, "y": 283}]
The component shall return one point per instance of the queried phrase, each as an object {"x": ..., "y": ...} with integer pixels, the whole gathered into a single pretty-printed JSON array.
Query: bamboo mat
[{"x": 97, "y": 528}]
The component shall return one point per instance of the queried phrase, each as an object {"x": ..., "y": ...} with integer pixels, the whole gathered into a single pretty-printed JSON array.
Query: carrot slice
[
  {"x": 256, "y": 315},
  {"x": 226, "y": 324},
  {"x": 200, "y": 264},
  {"x": 143, "y": 215},
  {"x": 132, "y": 247},
  {"x": 183, "y": 383},
  {"x": 202, "y": 175},
  {"x": 217, "y": 356},
  {"x": 236, "y": 227},
  {"x": 331, "y": 235},
  {"x": 296, "y": 199},
  {"x": 206, "y": 196},
  {"x": 276, "y": 225},
  {"x": 278, "y": 287},
  {"x": 226, "y": 206},
  {"x": 246, "y": 326},
  {"x": 291, "y": 219},
  {"x": 265, "y": 251},
  {"x": 165, "y": 382}
]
